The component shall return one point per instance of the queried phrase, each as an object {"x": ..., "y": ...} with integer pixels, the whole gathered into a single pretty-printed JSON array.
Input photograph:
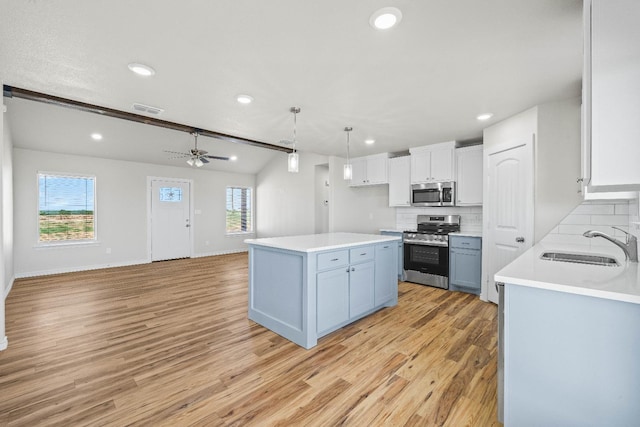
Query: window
[
  {"x": 66, "y": 208},
  {"x": 239, "y": 210},
  {"x": 171, "y": 194}
]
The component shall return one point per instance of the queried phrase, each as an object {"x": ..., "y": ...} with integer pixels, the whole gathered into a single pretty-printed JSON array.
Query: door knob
[{"x": 520, "y": 239}]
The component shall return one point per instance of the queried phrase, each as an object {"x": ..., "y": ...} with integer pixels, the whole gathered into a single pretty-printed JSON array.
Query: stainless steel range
[{"x": 426, "y": 251}]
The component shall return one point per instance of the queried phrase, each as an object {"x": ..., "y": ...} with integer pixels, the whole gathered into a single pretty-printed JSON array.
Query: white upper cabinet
[
  {"x": 370, "y": 170},
  {"x": 469, "y": 176},
  {"x": 611, "y": 86},
  {"x": 433, "y": 163},
  {"x": 400, "y": 181}
]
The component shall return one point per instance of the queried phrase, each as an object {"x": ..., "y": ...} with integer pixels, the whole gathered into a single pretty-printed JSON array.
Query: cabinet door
[
  {"x": 377, "y": 169},
  {"x": 361, "y": 289},
  {"x": 332, "y": 298},
  {"x": 359, "y": 165},
  {"x": 420, "y": 167},
  {"x": 442, "y": 164},
  {"x": 400, "y": 181},
  {"x": 465, "y": 267},
  {"x": 615, "y": 85},
  {"x": 386, "y": 274},
  {"x": 469, "y": 176}
]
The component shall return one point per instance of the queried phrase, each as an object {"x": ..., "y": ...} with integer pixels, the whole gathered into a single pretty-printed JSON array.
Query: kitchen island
[
  {"x": 304, "y": 287},
  {"x": 571, "y": 340}
]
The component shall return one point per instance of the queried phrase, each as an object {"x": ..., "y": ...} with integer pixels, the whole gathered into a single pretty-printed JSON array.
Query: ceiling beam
[{"x": 16, "y": 92}]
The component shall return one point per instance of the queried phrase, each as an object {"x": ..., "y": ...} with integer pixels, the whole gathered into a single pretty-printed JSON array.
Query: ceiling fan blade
[
  {"x": 202, "y": 152},
  {"x": 217, "y": 157},
  {"x": 204, "y": 160},
  {"x": 176, "y": 152}
]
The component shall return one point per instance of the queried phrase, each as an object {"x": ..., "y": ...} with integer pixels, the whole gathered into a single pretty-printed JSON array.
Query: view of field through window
[
  {"x": 239, "y": 215},
  {"x": 66, "y": 208}
]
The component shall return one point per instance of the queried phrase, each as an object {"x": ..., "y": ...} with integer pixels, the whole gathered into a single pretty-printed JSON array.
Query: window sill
[
  {"x": 241, "y": 234},
  {"x": 66, "y": 244}
]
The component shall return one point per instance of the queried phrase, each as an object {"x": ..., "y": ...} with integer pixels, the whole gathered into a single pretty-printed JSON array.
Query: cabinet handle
[
  {"x": 385, "y": 247},
  {"x": 363, "y": 254},
  {"x": 335, "y": 259},
  {"x": 353, "y": 269},
  {"x": 347, "y": 269}
]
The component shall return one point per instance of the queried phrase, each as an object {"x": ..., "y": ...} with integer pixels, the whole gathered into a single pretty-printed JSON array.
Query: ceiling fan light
[
  {"x": 198, "y": 163},
  {"x": 292, "y": 163},
  {"x": 190, "y": 162}
]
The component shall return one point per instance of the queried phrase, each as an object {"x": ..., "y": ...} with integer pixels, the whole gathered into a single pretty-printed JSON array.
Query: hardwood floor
[{"x": 169, "y": 344}]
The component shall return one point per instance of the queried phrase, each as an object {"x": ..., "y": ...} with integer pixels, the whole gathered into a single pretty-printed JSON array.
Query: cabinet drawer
[
  {"x": 464, "y": 242},
  {"x": 361, "y": 254},
  {"x": 333, "y": 259}
]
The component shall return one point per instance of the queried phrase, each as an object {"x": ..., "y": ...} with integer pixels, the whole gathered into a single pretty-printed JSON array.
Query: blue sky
[{"x": 68, "y": 193}]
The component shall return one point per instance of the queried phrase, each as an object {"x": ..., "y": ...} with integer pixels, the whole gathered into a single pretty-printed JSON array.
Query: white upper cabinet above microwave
[
  {"x": 469, "y": 176},
  {"x": 611, "y": 129},
  {"x": 370, "y": 170},
  {"x": 433, "y": 163}
]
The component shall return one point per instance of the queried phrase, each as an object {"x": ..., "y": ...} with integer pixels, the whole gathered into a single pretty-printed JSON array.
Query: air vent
[{"x": 147, "y": 109}]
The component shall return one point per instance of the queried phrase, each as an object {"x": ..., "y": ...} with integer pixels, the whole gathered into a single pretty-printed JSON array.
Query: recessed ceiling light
[
  {"x": 485, "y": 116},
  {"x": 369, "y": 141},
  {"x": 233, "y": 158},
  {"x": 142, "y": 69},
  {"x": 96, "y": 136},
  {"x": 385, "y": 18},
  {"x": 245, "y": 99}
]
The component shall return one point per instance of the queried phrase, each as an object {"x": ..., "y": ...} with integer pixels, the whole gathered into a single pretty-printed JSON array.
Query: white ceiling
[{"x": 422, "y": 82}]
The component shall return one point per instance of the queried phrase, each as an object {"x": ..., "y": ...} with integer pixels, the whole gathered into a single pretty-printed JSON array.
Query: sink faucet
[{"x": 630, "y": 247}]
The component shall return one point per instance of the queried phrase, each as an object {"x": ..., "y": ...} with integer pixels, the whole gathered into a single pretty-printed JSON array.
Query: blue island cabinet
[
  {"x": 570, "y": 360},
  {"x": 465, "y": 263},
  {"x": 305, "y": 295}
]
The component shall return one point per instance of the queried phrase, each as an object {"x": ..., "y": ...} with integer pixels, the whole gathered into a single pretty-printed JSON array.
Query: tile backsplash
[
  {"x": 470, "y": 216},
  {"x": 599, "y": 215}
]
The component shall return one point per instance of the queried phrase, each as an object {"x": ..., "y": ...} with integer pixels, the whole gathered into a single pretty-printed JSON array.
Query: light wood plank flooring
[{"x": 169, "y": 344}]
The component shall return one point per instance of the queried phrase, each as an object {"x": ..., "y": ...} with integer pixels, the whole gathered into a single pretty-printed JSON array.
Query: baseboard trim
[
  {"x": 110, "y": 265},
  {"x": 233, "y": 251},
  {"x": 4, "y": 343},
  {"x": 79, "y": 268}
]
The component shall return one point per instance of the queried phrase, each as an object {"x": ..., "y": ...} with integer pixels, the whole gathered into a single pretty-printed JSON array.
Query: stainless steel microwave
[{"x": 434, "y": 194}]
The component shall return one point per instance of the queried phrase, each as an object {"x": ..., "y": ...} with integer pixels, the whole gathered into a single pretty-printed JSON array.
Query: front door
[
  {"x": 170, "y": 219},
  {"x": 510, "y": 208}
]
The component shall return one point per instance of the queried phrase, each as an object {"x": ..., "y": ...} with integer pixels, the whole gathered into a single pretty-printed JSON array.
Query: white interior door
[
  {"x": 170, "y": 220},
  {"x": 510, "y": 209}
]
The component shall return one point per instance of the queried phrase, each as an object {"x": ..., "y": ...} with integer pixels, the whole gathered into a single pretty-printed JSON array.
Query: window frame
[
  {"x": 76, "y": 242},
  {"x": 251, "y": 211}
]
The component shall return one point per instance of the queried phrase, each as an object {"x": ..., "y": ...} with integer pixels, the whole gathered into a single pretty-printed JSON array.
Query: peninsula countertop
[
  {"x": 621, "y": 283},
  {"x": 321, "y": 242}
]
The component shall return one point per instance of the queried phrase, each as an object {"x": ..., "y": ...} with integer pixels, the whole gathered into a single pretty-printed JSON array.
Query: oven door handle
[{"x": 423, "y": 243}]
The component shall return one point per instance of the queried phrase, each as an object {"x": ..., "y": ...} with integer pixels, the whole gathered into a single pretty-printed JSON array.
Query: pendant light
[
  {"x": 292, "y": 163},
  {"x": 348, "y": 169}
]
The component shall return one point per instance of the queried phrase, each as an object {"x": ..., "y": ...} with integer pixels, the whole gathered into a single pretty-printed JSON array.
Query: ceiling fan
[{"x": 194, "y": 156}]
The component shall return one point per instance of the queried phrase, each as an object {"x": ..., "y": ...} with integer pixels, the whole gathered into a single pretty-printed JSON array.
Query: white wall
[
  {"x": 6, "y": 225},
  {"x": 121, "y": 212},
  {"x": 558, "y": 163},
  {"x": 357, "y": 209},
  {"x": 286, "y": 202}
]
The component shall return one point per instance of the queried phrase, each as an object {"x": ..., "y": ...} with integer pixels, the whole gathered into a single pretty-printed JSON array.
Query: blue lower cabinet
[
  {"x": 465, "y": 264},
  {"x": 333, "y": 298},
  {"x": 361, "y": 288},
  {"x": 400, "y": 251}
]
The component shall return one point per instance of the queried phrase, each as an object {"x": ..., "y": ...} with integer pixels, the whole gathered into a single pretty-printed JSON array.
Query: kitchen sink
[{"x": 580, "y": 258}]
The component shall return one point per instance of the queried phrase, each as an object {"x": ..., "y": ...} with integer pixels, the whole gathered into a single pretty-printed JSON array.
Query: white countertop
[
  {"x": 392, "y": 230},
  {"x": 467, "y": 233},
  {"x": 615, "y": 283},
  {"x": 321, "y": 242}
]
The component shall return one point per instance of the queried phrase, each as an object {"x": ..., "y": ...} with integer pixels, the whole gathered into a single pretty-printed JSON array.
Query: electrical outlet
[{"x": 108, "y": 250}]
